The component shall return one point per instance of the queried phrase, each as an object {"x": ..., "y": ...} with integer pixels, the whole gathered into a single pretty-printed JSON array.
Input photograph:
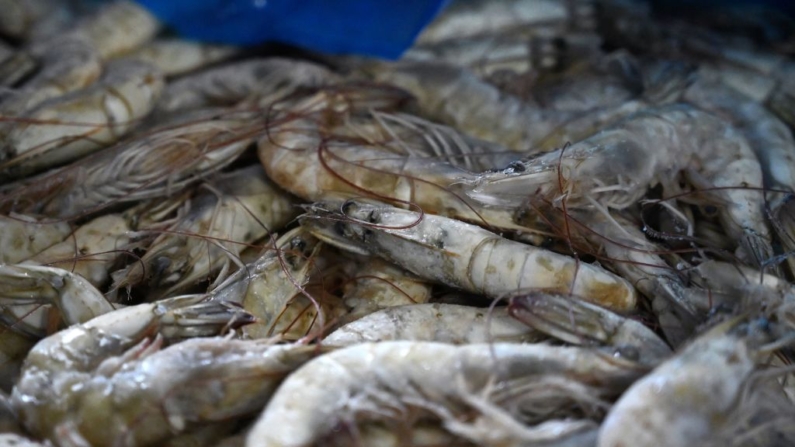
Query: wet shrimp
[
  {"x": 24, "y": 289},
  {"x": 457, "y": 97},
  {"x": 174, "y": 57},
  {"x": 266, "y": 286},
  {"x": 240, "y": 207},
  {"x": 770, "y": 138},
  {"x": 298, "y": 159},
  {"x": 90, "y": 251},
  {"x": 388, "y": 378},
  {"x": 688, "y": 399},
  {"x": 67, "y": 65},
  {"x": 373, "y": 284},
  {"x": 22, "y": 237},
  {"x": 459, "y": 254},
  {"x": 616, "y": 166},
  {"x": 444, "y": 323},
  {"x": 621, "y": 245},
  {"x": 62, "y": 392},
  {"x": 116, "y": 28},
  {"x": 69, "y": 127},
  {"x": 473, "y": 18},
  {"x": 580, "y": 323},
  {"x": 267, "y": 80},
  {"x": 161, "y": 163}
]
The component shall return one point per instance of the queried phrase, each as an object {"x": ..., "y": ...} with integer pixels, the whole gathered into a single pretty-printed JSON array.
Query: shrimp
[
  {"x": 22, "y": 237},
  {"x": 92, "y": 118},
  {"x": 90, "y": 251},
  {"x": 158, "y": 164},
  {"x": 375, "y": 284},
  {"x": 63, "y": 390},
  {"x": 67, "y": 65},
  {"x": 476, "y": 18},
  {"x": 268, "y": 287},
  {"x": 114, "y": 29},
  {"x": 622, "y": 245},
  {"x": 615, "y": 166},
  {"x": 444, "y": 323},
  {"x": 688, "y": 399},
  {"x": 325, "y": 165},
  {"x": 266, "y": 79},
  {"x": 580, "y": 323},
  {"x": 174, "y": 57},
  {"x": 770, "y": 138},
  {"x": 457, "y": 97},
  {"x": 24, "y": 285},
  {"x": 459, "y": 254},
  {"x": 241, "y": 207},
  {"x": 389, "y": 378},
  {"x": 420, "y": 435}
]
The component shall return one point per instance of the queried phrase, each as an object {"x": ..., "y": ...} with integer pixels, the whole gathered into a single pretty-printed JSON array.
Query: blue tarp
[{"x": 382, "y": 28}]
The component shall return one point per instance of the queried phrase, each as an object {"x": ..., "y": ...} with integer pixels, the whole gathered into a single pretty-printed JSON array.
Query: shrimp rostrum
[{"x": 459, "y": 254}]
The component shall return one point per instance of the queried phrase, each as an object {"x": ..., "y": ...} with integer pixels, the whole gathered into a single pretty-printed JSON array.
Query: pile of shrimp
[{"x": 550, "y": 223}]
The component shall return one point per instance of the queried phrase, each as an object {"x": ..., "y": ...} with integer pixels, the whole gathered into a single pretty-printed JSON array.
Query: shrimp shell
[
  {"x": 444, "y": 323},
  {"x": 92, "y": 119},
  {"x": 435, "y": 376},
  {"x": 459, "y": 254}
]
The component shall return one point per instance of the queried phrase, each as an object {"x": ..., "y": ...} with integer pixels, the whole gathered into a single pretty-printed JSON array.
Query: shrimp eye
[
  {"x": 372, "y": 217},
  {"x": 340, "y": 228},
  {"x": 516, "y": 166},
  {"x": 348, "y": 207}
]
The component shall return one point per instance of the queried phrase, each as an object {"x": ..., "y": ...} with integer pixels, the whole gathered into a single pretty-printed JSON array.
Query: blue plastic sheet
[{"x": 382, "y": 28}]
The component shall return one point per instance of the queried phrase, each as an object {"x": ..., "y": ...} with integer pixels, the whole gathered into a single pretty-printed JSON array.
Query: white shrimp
[
  {"x": 160, "y": 163},
  {"x": 22, "y": 237},
  {"x": 25, "y": 288},
  {"x": 266, "y": 80},
  {"x": 459, "y": 254},
  {"x": 275, "y": 288},
  {"x": 373, "y": 284},
  {"x": 63, "y": 391},
  {"x": 444, "y": 323},
  {"x": 689, "y": 399},
  {"x": 175, "y": 57},
  {"x": 114, "y": 29},
  {"x": 616, "y": 166},
  {"x": 68, "y": 127},
  {"x": 386, "y": 378},
  {"x": 90, "y": 251},
  {"x": 67, "y": 65},
  {"x": 578, "y": 322},
  {"x": 300, "y": 160},
  {"x": 240, "y": 208}
]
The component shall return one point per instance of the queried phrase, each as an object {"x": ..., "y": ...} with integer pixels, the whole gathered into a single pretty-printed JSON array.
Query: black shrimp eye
[
  {"x": 340, "y": 228},
  {"x": 372, "y": 217},
  {"x": 516, "y": 166},
  {"x": 348, "y": 206}
]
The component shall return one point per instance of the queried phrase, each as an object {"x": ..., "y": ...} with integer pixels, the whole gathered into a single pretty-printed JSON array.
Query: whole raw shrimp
[
  {"x": 63, "y": 393},
  {"x": 615, "y": 167},
  {"x": 459, "y": 254}
]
